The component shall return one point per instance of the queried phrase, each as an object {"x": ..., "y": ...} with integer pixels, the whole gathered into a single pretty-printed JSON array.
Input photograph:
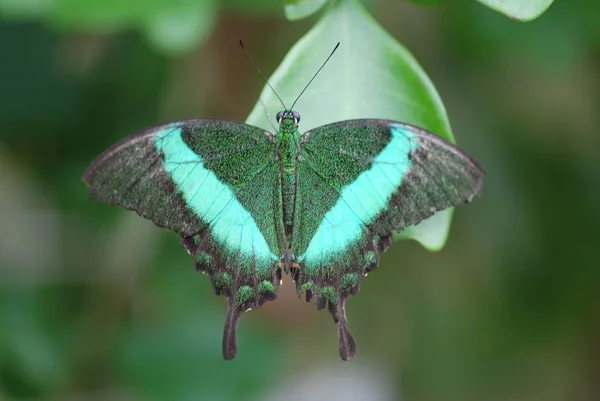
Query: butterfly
[{"x": 250, "y": 205}]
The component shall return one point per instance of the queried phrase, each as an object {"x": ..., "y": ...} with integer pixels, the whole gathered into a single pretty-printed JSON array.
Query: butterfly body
[
  {"x": 287, "y": 154},
  {"x": 249, "y": 204}
]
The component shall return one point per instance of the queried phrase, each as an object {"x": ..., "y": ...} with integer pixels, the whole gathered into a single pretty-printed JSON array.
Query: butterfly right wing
[{"x": 216, "y": 184}]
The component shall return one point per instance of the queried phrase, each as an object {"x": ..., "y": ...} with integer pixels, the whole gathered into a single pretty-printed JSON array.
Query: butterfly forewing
[{"x": 131, "y": 174}]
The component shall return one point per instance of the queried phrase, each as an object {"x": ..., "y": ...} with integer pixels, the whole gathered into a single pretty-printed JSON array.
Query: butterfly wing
[
  {"x": 360, "y": 181},
  {"x": 216, "y": 184}
]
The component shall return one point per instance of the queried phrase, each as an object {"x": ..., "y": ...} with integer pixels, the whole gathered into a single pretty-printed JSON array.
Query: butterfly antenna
[
  {"x": 314, "y": 76},
  {"x": 261, "y": 74}
]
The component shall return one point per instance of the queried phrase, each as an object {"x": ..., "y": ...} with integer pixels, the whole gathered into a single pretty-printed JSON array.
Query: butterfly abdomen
[
  {"x": 288, "y": 186},
  {"x": 288, "y": 156}
]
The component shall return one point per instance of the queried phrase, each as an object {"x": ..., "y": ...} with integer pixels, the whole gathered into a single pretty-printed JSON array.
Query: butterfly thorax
[{"x": 288, "y": 149}]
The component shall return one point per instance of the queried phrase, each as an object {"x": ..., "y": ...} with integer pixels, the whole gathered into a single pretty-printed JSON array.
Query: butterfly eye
[
  {"x": 279, "y": 116},
  {"x": 296, "y": 116}
]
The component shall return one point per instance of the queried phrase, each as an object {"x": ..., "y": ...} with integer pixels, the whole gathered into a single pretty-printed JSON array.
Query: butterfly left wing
[
  {"x": 216, "y": 184},
  {"x": 360, "y": 181}
]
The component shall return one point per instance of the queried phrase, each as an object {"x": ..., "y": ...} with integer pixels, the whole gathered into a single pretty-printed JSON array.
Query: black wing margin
[
  {"x": 441, "y": 176},
  {"x": 130, "y": 174}
]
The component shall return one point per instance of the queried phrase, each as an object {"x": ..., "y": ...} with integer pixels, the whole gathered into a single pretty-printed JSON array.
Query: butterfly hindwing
[
  {"x": 215, "y": 183},
  {"x": 374, "y": 178}
]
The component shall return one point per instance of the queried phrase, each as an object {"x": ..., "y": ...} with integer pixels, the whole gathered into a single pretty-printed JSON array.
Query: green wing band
[
  {"x": 215, "y": 183},
  {"x": 378, "y": 177},
  {"x": 213, "y": 200}
]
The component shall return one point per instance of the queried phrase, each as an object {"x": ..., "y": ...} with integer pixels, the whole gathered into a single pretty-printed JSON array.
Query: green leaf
[
  {"x": 254, "y": 7},
  {"x": 24, "y": 8},
  {"x": 370, "y": 76},
  {"x": 98, "y": 14},
  {"x": 180, "y": 31},
  {"x": 427, "y": 2},
  {"x": 298, "y": 9},
  {"x": 173, "y": 26},
  {"x": 522, "y": 10}
]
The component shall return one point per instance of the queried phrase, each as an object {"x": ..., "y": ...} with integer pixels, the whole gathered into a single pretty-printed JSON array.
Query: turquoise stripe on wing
[{"x": 213, "y": 201}]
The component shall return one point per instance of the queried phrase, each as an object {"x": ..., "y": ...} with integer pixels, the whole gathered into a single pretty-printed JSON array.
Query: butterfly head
[{"x": 288, "y": 118}]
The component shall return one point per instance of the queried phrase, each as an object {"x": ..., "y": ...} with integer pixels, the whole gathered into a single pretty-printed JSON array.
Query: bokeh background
[{"x": 98, "y": 304}]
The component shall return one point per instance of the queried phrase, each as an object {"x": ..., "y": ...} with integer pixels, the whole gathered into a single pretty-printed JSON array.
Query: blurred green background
[{"x": 96, "y": 303}]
